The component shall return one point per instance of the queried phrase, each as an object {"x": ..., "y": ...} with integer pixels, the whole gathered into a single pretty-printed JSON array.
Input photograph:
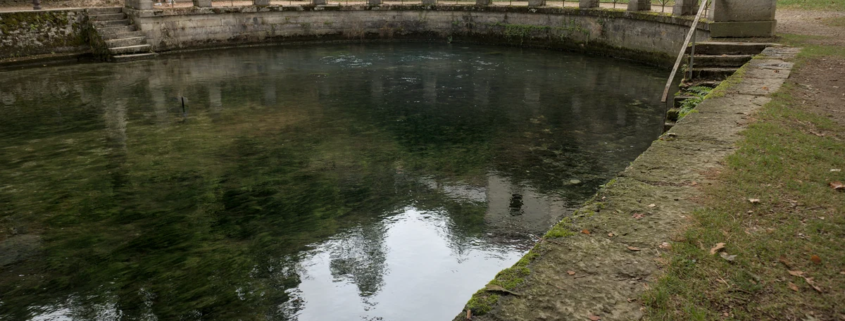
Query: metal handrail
[{"x": 684, "y": 50}]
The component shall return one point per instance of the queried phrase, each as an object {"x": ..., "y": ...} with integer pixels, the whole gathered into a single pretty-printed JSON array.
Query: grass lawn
[{"x": 790, "y": 258}]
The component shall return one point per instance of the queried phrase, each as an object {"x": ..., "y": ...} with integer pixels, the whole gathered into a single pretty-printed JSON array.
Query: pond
[{"x": 319, "y": 182}]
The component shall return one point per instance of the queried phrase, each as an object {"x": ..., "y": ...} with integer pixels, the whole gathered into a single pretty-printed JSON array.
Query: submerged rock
[{"x": 18, "y": 248}]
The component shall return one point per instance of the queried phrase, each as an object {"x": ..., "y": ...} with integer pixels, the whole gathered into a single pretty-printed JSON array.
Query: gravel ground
[{"x": 813, "y": 23}]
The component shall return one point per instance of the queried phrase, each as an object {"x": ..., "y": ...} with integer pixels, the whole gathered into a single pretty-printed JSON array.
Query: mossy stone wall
[{"x": 42, "y": 32}]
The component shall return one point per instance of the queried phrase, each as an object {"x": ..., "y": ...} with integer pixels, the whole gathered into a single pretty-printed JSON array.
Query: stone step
[
  {"x": 111, "y": 23},
  {"x": 703, "y": 83},
  {"x": 679, "y": 100},
  {"x": 701, "y": 61},
  {"x": 107, "y": 17},
  {"x": 713, "y": 73},
  {"x": 130, "y": 50},
  {"x": 126, "y": 42},
  {"x": 133, "y": 57},
  {"x": 98, "y": 11},
  {"x": 117, "y": 32},
  {"x": 729, "y": 48}
]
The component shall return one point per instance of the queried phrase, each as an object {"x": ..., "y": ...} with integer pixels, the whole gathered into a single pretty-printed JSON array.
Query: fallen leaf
[
  {"x": 816, "y": 259},
  {"x": 717, "y": 248},
  {"x": 835, "y": 170},
  {"x": 665, "y": 246},
  {"x": 813, "y": 285},
  {"x": 793, "y": 286},
  {"x": 651, "y": 205},
  {"x": 796, "y": 273},
  {"x": 585, "y": 231},
  {"x": 843, "y": 272},
  {"x": 725, "y": 256},
  {"x": 838, "y": 186},
  {"x": 754, "y": 200},
  {"x": 594, "y": 317},
  {"x": 570, "y": 272},
  {"x": 638, "y": 216},
  {"x": 610, "y": 234},
  {"x": 633, "y": 248},
  {"x": 786, "y": 262}
]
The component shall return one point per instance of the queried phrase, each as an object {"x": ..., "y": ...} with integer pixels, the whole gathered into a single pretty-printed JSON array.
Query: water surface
[{"x": 342, "y": 182}]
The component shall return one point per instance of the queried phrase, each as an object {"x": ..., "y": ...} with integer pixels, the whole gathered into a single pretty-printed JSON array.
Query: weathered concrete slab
[{"x": 602, "y": 273}]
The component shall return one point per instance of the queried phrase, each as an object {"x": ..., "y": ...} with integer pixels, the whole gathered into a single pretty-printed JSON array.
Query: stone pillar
[
  {"x": 201, "y": 3},
  {"x": 685, "y": 7},
  {"x": 261, "y": 3},
  {"x": 536, "y": 3},
  {"x": 639, "y": 5},
  {"x": 587, "y": 4},
  {"x": 746, "y": 18},
  {"x": 139, "y": 4},
  {"x": 374, "y": 3},
  {"x": 479, "y": 3}
]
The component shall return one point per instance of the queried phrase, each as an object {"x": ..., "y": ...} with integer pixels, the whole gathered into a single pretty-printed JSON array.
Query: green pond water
[{"x": 331, "y": 182}]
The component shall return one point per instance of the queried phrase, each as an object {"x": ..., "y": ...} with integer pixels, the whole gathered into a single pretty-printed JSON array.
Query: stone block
[
  {"x": 142, "y": 4},
  {"x": 483, "y": 3},
  {"x": 201, "y": 3},
  {"x": 587, "y": 4},
  {"x": 320, "y": 2},
  {"x": 261, "y": 3},
  {"x": 536, "y": 3},
  {"x": 747, "y": 29},
  {"x": 429, "y": 2},
  {"x": 685, "y": 7},
  {"x": 639, "y": 5},
  {"x": 745, "y": 10},
  {"x": 375, "y": 3}
]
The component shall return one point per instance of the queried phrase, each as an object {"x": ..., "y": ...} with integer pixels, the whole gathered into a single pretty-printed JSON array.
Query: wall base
[{"x": 745, "y": 29}]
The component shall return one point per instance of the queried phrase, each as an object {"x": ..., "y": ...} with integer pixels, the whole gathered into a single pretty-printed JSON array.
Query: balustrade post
[
  {"x": 588, "y": 4},
  {"x": 639, "y": 5},
  {"x": 685, "y": 7}
]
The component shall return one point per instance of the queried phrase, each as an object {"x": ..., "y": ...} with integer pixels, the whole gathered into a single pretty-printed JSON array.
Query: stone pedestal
[
  {"x": 139, "y": 4},
  {"x": 639, "y": 5},
  {"x": 483, "y": 3},
  {"x": 685, "y": 7},
  {"x": 429, "y": 2},
  {"x": 320, "y": 2},
  {"x": 203, "y": 3},
  {"x": 746, "y": 18},
  {"x": 260, "y": 3},
  {"x": 374, "y": 3},
  {"x": 536, "y": 3},
  {"x": 587, "y": 4}
]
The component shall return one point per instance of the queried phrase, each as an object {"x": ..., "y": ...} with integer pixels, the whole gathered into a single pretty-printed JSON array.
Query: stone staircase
[
  {"x": 122, "y": 39},
  {"x": 714, "y": 62}
]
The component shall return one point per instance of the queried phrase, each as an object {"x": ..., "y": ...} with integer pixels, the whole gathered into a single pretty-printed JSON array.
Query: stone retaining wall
[
  {"x": 646, "y": 37},
  {"x": 42, "y": 32}
]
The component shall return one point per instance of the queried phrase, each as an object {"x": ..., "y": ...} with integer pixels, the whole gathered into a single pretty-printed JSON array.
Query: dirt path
[{"x": 820, "y": 82}]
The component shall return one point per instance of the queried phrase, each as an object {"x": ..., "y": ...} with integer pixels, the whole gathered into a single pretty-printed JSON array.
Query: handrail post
[
  {"x": 692, "y": 55},
  {"x": 683, "y": 50}
]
